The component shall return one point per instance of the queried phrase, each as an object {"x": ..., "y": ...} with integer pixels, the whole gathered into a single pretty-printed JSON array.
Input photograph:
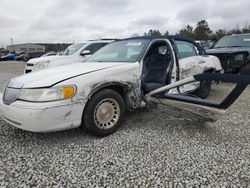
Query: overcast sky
[{"x": 79, "y": 20}]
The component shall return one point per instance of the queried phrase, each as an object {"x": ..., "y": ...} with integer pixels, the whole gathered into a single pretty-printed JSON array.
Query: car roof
[
  {"x": 101, "y": 40},
  {"x": 174, "y": 37},
  {"x": 95, "y": 41},
  {"x": 242, "y": 34},
  {"x": 170, "y": 37}
]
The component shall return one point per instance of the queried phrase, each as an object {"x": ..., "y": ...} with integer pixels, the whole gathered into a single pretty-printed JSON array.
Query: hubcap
[{"x": 107, "y": 113}]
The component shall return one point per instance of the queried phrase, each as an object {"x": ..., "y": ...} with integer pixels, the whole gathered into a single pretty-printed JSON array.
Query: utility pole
[{"x": 12, "y": 45}]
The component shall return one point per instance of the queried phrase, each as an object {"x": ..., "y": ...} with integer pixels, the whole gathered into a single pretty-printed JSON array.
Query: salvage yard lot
[{"x": 151, "y": 148}]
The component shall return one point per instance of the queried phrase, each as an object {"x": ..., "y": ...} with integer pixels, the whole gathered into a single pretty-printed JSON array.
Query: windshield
[
  {"x": 121, "y": 51},
  {"x": 207, "y": 45},
  {"x": 73, "y": 49},
  {"x": 234, "y": 41}
]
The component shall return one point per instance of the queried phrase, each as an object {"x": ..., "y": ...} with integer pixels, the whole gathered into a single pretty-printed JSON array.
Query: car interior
[{"x": 156, "y": 68}]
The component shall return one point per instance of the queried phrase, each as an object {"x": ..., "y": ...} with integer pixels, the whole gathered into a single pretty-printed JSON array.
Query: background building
[
  {"x": 28, "y": 48},
  {"x": 38, "y": 47}
]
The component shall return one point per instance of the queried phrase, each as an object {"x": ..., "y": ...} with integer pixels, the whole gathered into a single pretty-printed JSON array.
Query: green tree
[
  {"x": 202, "y": 30},
  {"x": 246, "y": 29},
  {"x": 153, "y": 32},
  {"x": 166, "y": 33},
  {"x": 234, "y": 31},
  {"x": 187, "y": 31},
  {"x": 220, "y": 33}
]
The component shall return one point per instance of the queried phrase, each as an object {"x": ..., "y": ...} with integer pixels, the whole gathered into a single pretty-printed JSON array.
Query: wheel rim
[{"x": 107, "y": 113}]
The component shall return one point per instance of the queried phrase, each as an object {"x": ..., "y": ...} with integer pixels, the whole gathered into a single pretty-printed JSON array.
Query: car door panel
[
  {"x": 190, "y": 66},
  {"x": 200, "y": 109},
  {"x": 191, "y": 61}
]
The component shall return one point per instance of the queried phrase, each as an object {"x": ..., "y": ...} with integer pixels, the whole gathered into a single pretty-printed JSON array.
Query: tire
[
  {"x": 245, "y": 70},
  {"x": 204, "y": 90},
  {"x": 104, "y": 113}
]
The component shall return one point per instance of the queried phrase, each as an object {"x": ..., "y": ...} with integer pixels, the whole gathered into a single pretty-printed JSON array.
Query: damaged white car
[{"x": 123, "y": 75}]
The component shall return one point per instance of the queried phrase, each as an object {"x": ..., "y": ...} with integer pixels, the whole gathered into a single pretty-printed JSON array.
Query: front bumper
[{"x": 42, "y": 117}]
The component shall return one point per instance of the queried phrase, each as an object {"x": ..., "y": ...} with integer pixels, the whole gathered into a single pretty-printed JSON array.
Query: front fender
[{"x": 97, "y": 87}]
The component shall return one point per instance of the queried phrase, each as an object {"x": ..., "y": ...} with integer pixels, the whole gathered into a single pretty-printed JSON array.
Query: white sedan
[{"x": 124, "y": 75}]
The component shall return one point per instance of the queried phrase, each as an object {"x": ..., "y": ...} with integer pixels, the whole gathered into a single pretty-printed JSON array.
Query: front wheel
[
  {"x": 204, "y": 89},
  {"x": 104, "y": 113}
]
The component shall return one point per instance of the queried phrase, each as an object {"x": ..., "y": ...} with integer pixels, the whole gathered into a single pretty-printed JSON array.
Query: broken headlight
[
  {"x": 239, "y": 57},
  {"x": 47, "y": 94}
]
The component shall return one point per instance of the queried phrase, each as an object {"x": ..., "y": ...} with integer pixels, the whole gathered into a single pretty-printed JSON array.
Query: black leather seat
[{"x": 155, "y": 70}]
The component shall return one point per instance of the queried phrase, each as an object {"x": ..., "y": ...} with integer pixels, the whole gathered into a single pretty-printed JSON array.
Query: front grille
[
  {"x": 224, "y": 59},
  {"x": 27, "y": 71},
  {"x": 30, "y": 64}
]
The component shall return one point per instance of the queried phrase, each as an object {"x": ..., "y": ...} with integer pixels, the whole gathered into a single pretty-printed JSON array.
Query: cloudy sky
[{"x": 79, "y": 20}]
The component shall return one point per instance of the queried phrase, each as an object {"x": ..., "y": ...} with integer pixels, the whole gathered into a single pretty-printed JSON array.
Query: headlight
[
  {"x": 48, "y": 94},
  {"x": 42, "y": 64},
  {"x": 239, "y": 57}
]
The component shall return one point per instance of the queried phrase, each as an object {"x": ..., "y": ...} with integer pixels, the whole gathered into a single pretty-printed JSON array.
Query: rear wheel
[
  {"x": 204, "y": 90},
  {"x": 104, "y": 113}
]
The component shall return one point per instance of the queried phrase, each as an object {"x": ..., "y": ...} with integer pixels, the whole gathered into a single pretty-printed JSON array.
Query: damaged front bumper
[{"x": 42, "y": 117}]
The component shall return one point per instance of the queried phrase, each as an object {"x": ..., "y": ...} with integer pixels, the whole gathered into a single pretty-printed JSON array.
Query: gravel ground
[{"x": 151, "y": 149}]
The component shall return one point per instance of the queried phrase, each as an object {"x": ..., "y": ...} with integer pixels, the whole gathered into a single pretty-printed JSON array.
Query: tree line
[{"x": 202, "y": 31}]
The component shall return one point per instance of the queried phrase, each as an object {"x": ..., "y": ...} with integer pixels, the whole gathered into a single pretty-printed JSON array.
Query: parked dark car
[
  {"x": 34, "y": 55},
  {"x": 234, "y": 53},
  {"x": 22, "y": 57}
]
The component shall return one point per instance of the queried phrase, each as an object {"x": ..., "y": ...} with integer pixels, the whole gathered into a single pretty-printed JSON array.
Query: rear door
[
  {"x": 226, "y": 89},
  {"x": 191, "y": 61}
]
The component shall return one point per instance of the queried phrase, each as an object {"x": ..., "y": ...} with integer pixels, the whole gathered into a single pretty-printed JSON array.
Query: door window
[
  {"x": 23, "y": 49},
  {"x": 186, "y": 49},
  {"x": 32, "y": 50},
  {"x": 157, "y": 67},
  {"x": 39, "y": 50}
]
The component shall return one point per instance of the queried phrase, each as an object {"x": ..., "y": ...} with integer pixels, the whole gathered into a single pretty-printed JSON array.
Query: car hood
[
  {"x": 48, "y": 58},
  {"x": 49, "y": 77},
  {"x": 228, "y": 50}
]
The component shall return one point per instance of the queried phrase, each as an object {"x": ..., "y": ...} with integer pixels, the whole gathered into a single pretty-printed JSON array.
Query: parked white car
[
  {"x": 123, "y": 75},
  {"x": 77, "y": 52}
]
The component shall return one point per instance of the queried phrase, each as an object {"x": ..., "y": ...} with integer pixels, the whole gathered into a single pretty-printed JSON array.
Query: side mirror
[{"x": 85, "y": 52}]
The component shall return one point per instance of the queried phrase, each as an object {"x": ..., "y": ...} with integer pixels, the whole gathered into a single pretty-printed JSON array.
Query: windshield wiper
[
  {"x": 234, "y": 46},
  {"x": 228, "y": 46},
  {"x": 219, "y": 47}
]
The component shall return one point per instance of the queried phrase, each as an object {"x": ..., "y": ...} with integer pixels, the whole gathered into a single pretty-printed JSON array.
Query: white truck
[{"x": 77, "y": 52}]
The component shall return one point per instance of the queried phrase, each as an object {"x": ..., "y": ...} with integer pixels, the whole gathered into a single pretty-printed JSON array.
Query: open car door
[{"x": 226, "y": 88}]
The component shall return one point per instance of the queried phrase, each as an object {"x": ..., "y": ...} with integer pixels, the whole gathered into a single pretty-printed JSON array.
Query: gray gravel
[{"x": 151, "y": 149}]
